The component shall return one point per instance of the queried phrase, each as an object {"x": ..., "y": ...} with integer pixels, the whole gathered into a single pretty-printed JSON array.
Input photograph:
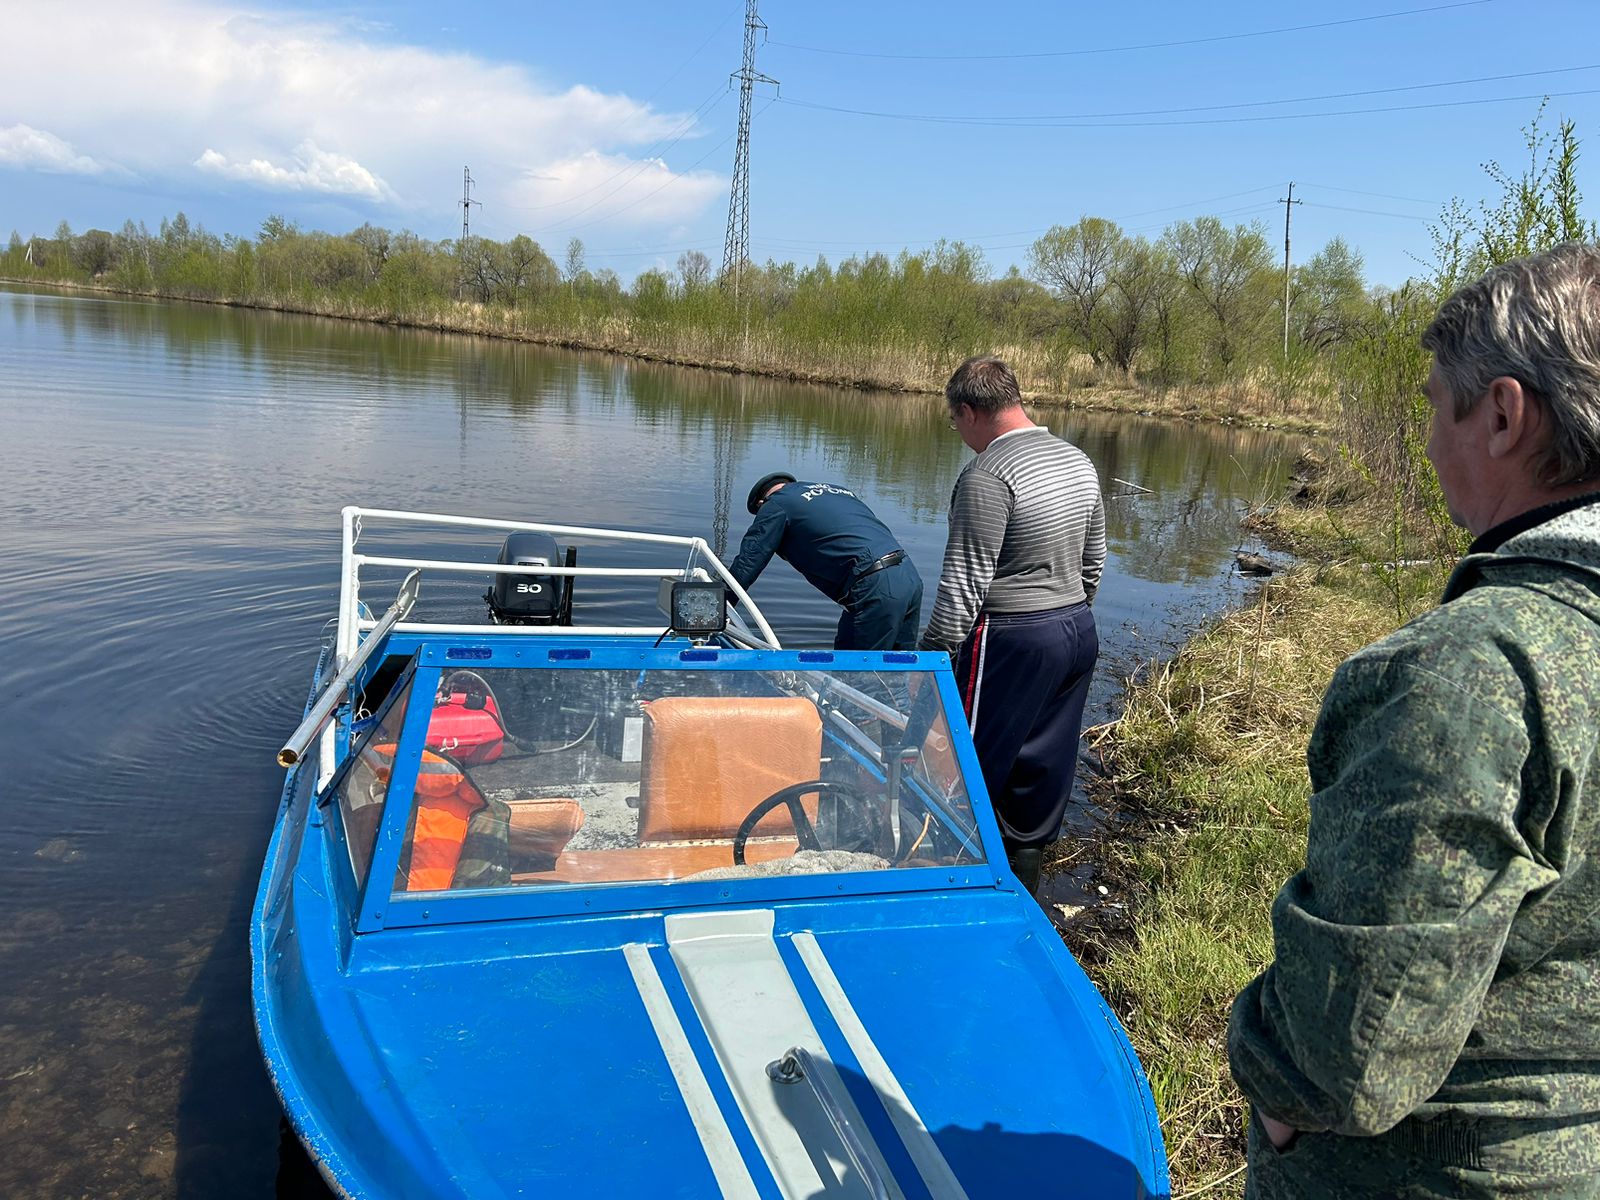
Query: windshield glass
[
  {"x": 365, "y": 783},
  {"x": 540, "y": 777}
]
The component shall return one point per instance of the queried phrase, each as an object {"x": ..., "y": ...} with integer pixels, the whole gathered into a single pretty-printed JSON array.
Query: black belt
[{"x": 893, "y": 558}]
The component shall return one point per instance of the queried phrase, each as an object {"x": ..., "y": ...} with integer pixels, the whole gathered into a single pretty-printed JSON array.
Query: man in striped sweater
[{"x": 1027, "y": 547}]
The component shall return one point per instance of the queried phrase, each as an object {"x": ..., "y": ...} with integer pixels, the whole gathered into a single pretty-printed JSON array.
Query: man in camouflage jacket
[{"x": 1430, "y": 1024}]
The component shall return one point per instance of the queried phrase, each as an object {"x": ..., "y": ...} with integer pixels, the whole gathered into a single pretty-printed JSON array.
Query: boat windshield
[{"x": 544, "y": 777}]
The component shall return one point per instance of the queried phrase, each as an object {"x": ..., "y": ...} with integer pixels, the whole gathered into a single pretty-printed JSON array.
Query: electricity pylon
[{"x": 736, "y": 247}]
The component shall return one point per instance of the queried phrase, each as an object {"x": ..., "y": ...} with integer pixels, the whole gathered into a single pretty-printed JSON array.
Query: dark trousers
[
  {"x": 1024, "y": 679},
  {"x": 882, "y": 611}
]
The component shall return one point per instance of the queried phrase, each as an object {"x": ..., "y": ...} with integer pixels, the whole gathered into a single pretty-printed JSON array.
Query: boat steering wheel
[{"x": 804, "y": 831}]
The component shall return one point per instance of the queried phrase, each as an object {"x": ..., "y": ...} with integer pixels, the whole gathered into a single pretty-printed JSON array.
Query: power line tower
[
  {"x": 736, "y": 247},
  {"x": 466, "y": 260},
  {"x": 466, "y": 206}
]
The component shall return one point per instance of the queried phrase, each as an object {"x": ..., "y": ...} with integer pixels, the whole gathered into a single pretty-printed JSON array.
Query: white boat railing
[{"x": 701, "y": 562}]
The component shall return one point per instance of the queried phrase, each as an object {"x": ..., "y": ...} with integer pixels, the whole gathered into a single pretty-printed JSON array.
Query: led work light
[{"x": 699, "y": 609}]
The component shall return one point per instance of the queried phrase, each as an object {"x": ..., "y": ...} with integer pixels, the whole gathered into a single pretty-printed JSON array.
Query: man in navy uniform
[{"x": 827, "y": 534}]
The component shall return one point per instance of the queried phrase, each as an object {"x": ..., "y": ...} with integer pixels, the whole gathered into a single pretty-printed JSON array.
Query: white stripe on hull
[
  {"x": 930, "y": 1160},
  {"x": 727, "y": 1164},
  {"x": 747, "y": 1002}
]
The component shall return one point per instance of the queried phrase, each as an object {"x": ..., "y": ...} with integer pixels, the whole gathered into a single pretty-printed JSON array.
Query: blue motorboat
[{"x": 562, "y": 907}]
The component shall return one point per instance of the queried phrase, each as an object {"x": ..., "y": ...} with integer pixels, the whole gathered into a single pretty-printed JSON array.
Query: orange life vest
[{"x": 446, "y": 800}]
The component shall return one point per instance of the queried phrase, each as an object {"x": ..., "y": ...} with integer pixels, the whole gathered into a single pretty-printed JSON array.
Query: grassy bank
[
  {"x": 1207, "y": 783},
  {"x": 769, "y": 353}
]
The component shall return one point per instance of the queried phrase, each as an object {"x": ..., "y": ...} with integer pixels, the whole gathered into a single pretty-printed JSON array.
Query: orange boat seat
[{"x": 708, "y": 760}]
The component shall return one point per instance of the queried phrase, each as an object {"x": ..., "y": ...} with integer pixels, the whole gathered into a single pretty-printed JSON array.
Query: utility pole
[
  {"x": 736, "y": 247},
  {"x": 1288, "y": 202}
]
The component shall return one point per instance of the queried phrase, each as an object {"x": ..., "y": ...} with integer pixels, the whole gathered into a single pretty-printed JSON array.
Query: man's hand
[{"x": 1279, "y": 1134}]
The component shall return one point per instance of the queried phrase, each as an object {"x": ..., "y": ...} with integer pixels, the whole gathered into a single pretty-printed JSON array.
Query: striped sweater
[{"x": 1027, "y": 533}]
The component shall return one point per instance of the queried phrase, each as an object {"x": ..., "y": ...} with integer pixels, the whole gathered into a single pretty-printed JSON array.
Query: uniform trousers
[{"x": 882, "y": 610}]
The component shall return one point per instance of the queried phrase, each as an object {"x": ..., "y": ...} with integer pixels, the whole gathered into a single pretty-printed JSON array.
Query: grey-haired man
[{"x": 1430, "y": 1023}]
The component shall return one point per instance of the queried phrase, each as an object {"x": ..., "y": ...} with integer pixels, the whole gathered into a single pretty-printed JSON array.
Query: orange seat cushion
[
  {"x": 542, "y": 827},
  {"x": 708, "y": 760},
  {"x": 652, "y": 862}
]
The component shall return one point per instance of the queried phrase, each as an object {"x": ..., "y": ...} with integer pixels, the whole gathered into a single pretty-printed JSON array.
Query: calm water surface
[{"x": 168, "y": 551}]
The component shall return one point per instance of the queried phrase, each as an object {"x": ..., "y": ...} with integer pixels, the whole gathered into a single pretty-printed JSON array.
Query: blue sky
[{"x": 614, "y": 123}]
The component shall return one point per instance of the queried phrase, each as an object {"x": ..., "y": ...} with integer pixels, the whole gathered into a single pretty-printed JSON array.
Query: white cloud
[
  {"x": 631, "y": 191},
  {"x": 25, "y": 146},
  {"x": 181, "y": 90},
  {"x": 314, "y": 170}
]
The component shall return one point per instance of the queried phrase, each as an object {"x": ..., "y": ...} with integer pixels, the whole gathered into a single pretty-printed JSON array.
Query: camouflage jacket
[{"x": 1439, "y": 954}]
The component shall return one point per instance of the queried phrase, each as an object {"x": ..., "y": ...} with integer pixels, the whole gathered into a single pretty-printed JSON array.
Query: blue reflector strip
[
  {"x": 469, "y": 652},
  {"x": 698, "y": 656},
  {"x": 568, "y": 655},
  {"x": 899, "y": 656},
  {"x": 815, "y": 656}
]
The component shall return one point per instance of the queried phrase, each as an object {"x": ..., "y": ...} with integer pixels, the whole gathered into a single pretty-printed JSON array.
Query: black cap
[{"x": 763, "y": 486}]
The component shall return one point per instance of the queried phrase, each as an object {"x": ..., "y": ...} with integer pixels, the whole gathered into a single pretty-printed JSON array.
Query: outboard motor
[{"x": 532, "y": 599}]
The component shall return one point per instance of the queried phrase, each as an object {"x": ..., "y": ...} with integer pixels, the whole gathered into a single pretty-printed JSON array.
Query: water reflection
[{"x": 168, "y": 534}]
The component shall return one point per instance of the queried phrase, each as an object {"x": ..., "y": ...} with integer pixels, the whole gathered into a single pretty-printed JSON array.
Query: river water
[{"x": 169, "y": 538}]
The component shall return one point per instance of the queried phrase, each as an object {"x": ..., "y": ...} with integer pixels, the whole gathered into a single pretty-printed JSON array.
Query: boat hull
[{"x": 539, "y": 1058}]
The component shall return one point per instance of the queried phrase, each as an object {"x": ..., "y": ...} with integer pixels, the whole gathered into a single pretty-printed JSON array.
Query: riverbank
[
  {"x": 757, "y": 353},
  {"x": 1206, "y": 786}
]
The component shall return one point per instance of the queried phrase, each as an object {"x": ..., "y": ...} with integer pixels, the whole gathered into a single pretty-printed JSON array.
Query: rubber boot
[{"x": 1025, "y": 862}]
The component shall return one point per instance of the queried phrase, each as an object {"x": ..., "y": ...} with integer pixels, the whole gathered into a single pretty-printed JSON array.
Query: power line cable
[
  {"x": 1409, "y": 87},
  {"x": 1370, "y": 211},
  {"x": 981, "y": 241},
  {"x": 1195, "y": 108},
  {"x": 1020, "y": 123},
  {"x": 1243, "y": 210},
  {"x": 651, "y": 250},
  {"x": 1328, "y": 187},
  {"x": 1193, "y": 203},
  {"x": 804, "y": 243},
  {"x": 987, "y": 243},
  {"x": 1221, "y": 37}
]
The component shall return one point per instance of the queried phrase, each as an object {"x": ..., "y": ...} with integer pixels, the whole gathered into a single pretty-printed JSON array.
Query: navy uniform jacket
[{"x": 821, "y": 530}]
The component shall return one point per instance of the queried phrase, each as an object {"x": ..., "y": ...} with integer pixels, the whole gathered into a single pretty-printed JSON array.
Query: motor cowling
[{"x": 532, "y": 599}]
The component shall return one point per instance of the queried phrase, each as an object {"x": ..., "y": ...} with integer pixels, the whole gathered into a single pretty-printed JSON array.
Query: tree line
[{"x": 1202, "y": 304}]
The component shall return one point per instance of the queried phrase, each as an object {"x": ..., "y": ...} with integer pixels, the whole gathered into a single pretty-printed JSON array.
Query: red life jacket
[{"x": 446, "y": 801}]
